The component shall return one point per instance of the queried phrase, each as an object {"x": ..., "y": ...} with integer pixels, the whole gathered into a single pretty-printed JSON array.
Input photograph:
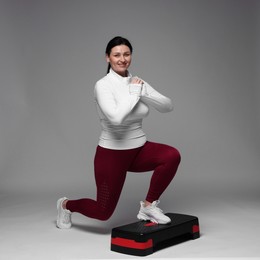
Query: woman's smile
[{"x": 120, "y": 59}]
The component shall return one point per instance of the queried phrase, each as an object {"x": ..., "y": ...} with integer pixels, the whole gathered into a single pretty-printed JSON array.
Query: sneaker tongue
[{"x": 155, "y": 203}]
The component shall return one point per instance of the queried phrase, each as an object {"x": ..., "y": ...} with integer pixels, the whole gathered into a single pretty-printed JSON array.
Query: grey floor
[{"x": 229, "y": 229}]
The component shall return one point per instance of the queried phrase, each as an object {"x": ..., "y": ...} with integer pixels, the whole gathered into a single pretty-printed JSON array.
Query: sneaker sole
[
  {"x": 58, "y": 224},
  {"x": 143, "y": 216}
]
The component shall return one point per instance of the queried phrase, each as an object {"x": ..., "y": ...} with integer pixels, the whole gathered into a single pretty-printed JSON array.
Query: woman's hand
[{"x": 136, "y": 80}]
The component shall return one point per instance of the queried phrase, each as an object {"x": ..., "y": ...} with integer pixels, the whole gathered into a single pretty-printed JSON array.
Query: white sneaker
[
  {"x": 64, "y": 215},
  {"x": 152, "y": 213}
]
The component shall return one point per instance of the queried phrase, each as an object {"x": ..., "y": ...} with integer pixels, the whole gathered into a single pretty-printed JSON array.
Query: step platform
[{"x": 144, "y": 237}]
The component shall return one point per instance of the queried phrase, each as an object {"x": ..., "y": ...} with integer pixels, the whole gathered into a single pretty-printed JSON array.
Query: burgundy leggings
[{"x": 111, "y": 167}]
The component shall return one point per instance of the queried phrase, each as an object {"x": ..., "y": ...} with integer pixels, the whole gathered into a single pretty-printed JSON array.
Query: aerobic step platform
[{"x": 144, "y": 237}]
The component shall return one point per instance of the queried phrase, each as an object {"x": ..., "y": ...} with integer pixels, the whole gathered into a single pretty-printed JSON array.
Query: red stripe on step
[
  {"x": 131, "y": 243},
  {"x": 195, "y": 229},
  {"x": 150, "y": 224}
]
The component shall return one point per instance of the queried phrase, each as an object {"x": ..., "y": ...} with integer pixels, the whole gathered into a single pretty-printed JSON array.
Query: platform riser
[{"x": 143, "y": 238}]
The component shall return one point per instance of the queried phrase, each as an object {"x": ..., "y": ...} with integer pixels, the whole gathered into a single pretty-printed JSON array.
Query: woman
[{"x": 122, "y": 102}]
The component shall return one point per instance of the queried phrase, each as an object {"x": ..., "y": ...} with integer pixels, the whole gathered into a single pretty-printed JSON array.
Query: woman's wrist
[{"x": 135, "y": 89}]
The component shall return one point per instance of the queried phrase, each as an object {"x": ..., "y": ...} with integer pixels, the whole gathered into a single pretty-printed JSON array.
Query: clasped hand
[{"x": 136, "y": 80}]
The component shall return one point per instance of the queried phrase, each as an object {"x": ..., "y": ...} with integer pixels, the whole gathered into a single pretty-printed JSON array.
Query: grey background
[{"x": 204, "y": 54}]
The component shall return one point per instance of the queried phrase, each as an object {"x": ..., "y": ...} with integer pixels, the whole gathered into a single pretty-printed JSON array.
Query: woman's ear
[{"x": 107, "y": 58}]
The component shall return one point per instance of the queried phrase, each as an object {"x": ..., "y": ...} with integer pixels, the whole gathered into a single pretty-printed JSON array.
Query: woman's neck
[{"x": 123, "y": 74}]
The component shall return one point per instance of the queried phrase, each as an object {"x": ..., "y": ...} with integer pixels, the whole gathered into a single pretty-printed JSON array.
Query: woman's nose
[{"x": 122, "y": 58}]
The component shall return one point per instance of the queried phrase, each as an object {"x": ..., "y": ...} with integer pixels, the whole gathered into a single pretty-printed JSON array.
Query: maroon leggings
[{"x": 111, "y": 167}]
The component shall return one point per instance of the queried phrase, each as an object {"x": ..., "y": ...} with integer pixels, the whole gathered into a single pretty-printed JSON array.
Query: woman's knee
[
  {"x": 104, "y": 215},
  {"x": 174, "y": 155}
]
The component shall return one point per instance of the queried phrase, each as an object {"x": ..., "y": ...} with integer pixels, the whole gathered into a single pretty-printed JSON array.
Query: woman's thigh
[
  {"x": 152, "y": 155},
  {"x": 110, "y": 170}
]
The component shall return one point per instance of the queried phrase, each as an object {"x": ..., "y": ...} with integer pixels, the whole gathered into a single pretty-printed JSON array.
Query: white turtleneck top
[{"x": 121, "y": 108}]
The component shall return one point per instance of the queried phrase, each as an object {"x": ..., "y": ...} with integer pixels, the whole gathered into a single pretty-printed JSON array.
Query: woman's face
[{"x": 120, "y": 59}]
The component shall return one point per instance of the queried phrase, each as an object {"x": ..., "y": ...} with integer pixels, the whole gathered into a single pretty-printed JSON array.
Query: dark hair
[{"x": 118, "y": 40}]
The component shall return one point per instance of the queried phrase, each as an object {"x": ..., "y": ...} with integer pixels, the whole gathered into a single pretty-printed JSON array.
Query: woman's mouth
[{"x": 122, "y": 64}]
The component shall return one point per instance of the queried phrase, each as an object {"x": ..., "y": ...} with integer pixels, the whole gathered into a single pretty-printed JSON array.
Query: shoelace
[{"x": 154, "y": 206}]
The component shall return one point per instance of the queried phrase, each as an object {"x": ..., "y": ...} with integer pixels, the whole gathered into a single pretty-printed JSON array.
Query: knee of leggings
[
  {"x": 105, "y": 214},
  {"x": 174, "y": 155}
]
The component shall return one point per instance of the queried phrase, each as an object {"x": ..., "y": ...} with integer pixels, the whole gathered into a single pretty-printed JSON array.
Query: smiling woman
[
  {"x": 122, "y": 103},
  {"x": 119, "y": 52},
  {"x": 120, "y": 59}
]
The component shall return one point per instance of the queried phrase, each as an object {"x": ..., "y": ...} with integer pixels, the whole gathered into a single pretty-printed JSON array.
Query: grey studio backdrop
[{"x": 203, "y": 54}]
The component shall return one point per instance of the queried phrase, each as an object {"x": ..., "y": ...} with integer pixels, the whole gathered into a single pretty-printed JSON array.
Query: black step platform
[{"x": 143, "y": 237}]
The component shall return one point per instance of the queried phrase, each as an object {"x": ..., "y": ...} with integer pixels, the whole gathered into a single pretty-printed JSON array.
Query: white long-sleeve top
[{"x": 121, "y": 108}]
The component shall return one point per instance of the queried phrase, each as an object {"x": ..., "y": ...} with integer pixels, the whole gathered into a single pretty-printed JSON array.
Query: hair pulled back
[{"x": 118, "y": 40}]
